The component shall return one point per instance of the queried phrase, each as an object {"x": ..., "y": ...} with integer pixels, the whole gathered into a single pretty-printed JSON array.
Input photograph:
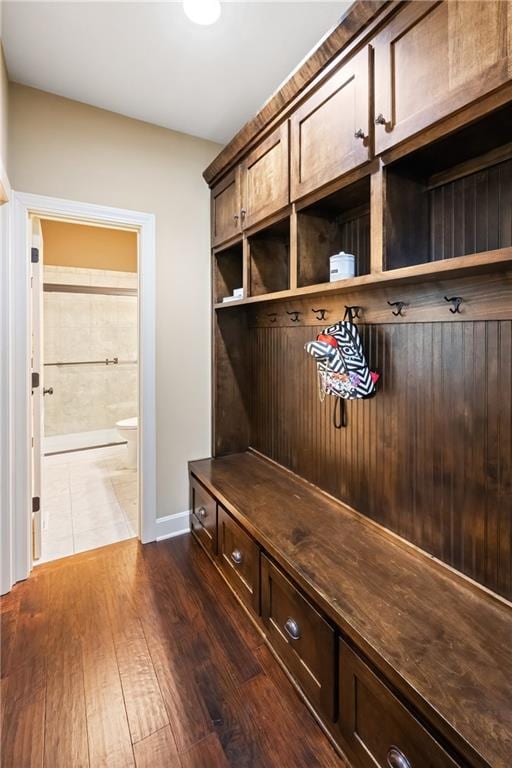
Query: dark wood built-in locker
[{"x": 375, "y": 554}]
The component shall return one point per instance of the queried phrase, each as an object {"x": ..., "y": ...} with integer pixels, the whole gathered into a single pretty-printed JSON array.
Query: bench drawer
[
  {"x": 239, "y": 559},
  {"x": 301, "y": 636},
  {"x": 376, "y": 727},
  {"x": 203, "y": 518}
]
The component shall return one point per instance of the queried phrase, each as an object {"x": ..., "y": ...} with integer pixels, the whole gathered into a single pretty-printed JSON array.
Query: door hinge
[
  {"x": 34, "y": 255},
  {"x": 35, "y": 380},
  {"x": 36, "y": 503}
]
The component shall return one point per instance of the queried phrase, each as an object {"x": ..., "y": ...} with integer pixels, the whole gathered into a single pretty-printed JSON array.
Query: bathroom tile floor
[{"x": 89, "y": 500}]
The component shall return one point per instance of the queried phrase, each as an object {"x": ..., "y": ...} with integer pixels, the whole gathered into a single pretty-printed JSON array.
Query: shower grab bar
[{"x": 106, "y": 361}]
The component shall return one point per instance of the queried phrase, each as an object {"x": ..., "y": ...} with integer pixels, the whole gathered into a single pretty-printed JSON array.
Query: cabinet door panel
[
  {"x": 434, "y": 58},
  {"x": 265, "y": 178},
  {"x": 324, "y": 144},
  {"x": 376, "y": 727},
  {"x": 226, "y": 208}
]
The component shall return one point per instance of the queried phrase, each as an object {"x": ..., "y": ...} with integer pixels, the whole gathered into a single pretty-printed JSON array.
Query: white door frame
[{"x": 22, "y": 206}]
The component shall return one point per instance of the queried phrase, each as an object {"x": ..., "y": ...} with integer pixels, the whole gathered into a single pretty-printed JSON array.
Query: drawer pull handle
[
  {"x": 397, "y": 759},
  {"x": 292, "y": 628},
  {"x": 236, "y": 557},
  {"x": 202, "y": 512}
]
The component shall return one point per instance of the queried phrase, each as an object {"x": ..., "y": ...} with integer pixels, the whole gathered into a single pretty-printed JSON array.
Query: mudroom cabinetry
[
  {"x": 434, "y": 58},
  {"x": 375, "y": 554}
]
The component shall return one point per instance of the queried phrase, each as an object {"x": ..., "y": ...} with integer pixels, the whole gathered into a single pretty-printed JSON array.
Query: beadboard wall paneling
[
  {"x": 472, "y": 214},
  {"x": 430, "y": 457}
]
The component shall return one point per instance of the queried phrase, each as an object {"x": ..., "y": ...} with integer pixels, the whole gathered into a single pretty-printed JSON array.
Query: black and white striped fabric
[{"x": 343, "y": 369}]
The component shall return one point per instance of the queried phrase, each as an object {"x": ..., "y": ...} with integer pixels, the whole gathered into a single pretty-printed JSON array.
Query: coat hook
[
  {"x": 354, "y": 311},
  {"x": 295, "y": 315},
  {"x": 456, "y": 301},
  {"x": 320, "y": 313},
  {"x": 399, "y": 307},
  {"x": 273, "y": 316}
]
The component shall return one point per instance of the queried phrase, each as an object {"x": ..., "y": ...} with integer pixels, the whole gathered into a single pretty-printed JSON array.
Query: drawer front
[
  {"x": 239, "y": 560},
  {"x": 301, "y": 637},
  {"x": 376, "y": 727},
  {"x": 203, "y": 518}
]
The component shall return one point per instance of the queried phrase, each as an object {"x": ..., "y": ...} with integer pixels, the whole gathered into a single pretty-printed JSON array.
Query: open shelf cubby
[
  {"x": 338, "y": 222},
  {"x": 452, "y": 198},
  {"x": 269, "y": 259},
  {"x": 228, "y": 271}
]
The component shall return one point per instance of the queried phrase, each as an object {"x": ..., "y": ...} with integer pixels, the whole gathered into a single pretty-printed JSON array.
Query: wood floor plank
[
  {"x": 23, "y": 729},
  {"x": 144, "y": 703},
  {"x": 188, "y": 715},
  {"x": 109, "y": 737},
  {"x": 157, "y": 751},
  {"x": 32, "y": 623},
  {"x": 9, "y": 619},
  {"x": 207, "y": 754},
  {"x": 122, "y": 577},
  {"x": 66, "y": 745},
  {"x": 276, "y": 720}
]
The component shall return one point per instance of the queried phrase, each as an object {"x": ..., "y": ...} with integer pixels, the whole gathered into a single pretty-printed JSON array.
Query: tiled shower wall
[{"x": 87, "y": 327}]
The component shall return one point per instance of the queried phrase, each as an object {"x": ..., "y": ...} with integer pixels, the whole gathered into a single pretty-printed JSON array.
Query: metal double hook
[
  {"x": 400, "y": 306},
  {"x": 456, "y": 301}
]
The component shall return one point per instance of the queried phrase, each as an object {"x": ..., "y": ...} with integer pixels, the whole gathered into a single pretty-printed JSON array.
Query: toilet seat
[{"x": 127, "y": 423}]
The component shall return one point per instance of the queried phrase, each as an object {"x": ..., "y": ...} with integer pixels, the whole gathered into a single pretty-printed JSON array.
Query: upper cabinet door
[
  {"x": 226, "y": 218},
  {"x": 265, "y": 178},
  {"x": 434, "y": 58},
  {"x": 329, "y": 132}
]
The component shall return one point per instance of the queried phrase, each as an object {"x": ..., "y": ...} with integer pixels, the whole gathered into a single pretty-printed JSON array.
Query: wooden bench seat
[{"x": 441, "y": 642}]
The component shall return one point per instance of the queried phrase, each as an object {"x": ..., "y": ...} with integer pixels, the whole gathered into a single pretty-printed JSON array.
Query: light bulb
[{"x": 202, "y": 11}]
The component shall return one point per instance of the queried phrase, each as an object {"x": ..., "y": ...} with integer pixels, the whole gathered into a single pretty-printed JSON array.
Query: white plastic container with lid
[{"x": 342, "y": 266}]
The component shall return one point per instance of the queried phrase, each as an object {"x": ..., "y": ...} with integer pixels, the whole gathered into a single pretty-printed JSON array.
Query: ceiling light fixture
[{"x": 202, "y": 11}]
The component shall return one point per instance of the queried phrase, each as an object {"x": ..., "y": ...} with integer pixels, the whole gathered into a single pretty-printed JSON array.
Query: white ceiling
[{"x": 148, "y": 61}]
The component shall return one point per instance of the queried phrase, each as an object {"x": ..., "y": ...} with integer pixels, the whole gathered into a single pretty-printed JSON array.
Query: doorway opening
[
  {"x": 23, "y": 518},
  {"x": 86, "y": 328}
]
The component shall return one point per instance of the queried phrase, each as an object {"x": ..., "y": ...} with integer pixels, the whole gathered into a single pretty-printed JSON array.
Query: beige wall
[
  {"x": 4, "y": 106},
  {"x": 66, "y": 149},
  {"x": 78, "y": 245}
]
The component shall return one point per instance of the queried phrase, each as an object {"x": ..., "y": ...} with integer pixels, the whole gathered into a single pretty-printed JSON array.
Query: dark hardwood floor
[{"x": 137, "y": 655}]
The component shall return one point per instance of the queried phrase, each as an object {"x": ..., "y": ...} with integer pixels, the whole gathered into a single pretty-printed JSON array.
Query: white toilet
[{"x": 127, "y": 428}]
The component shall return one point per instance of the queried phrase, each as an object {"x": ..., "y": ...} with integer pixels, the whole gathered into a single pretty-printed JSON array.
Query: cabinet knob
[
  {"x": 202, "y": 512},
  {"x": 236, "y": 217},
  {"x": 397, "y": 759},
  {"x": 242, "y": 213},
  {"x": 380, "y": 119},
  {"x": 236, "y": 556},
  {"x": 48, "y": 391},
  {"x": 292, "y": 628},
  {"x": 359, "y": 134}
]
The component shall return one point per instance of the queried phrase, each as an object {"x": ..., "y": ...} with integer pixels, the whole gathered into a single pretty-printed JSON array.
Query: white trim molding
[
  {"x": 172, "y": 525},
  {"x": 22, "y": 206},
  {"x": 6, "y": 404}
]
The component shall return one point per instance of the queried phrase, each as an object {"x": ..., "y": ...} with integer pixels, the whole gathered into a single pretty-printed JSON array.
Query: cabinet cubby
[
  {"x": 228, "y": 271},
  {"x": 269, "y": 259},
  {"x": 338, "y": 222},
  {"x": 453, "y": 198}
]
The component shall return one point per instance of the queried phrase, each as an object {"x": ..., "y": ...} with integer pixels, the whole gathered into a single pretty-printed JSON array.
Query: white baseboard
[{"x": 172, "y": 525}]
